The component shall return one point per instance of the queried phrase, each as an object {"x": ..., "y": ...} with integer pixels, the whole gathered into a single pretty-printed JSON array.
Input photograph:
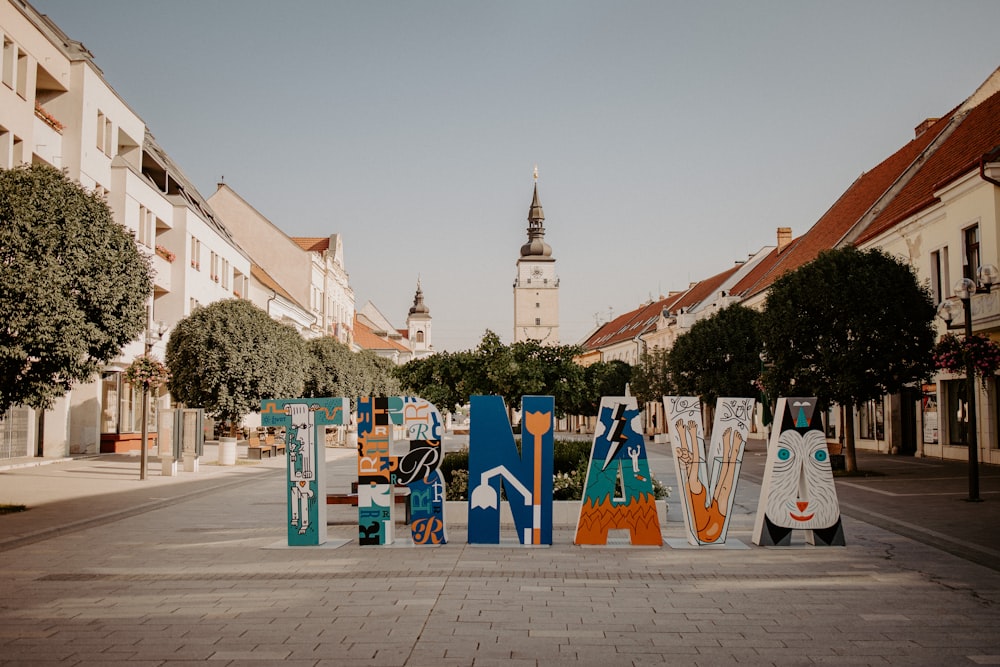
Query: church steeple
[
  {"x": 418, "y": 306},
  {"x": 536, "y": 245}
]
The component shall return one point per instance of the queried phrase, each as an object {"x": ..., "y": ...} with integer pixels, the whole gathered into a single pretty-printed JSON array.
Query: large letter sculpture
[
  {"x": 379, "y": 471},
  {"x": 305, "y": 421},
  {"x": 618, "y": 493},
  {"x": 494, "y": 462},
  {"x": 707, "y": 480},
  {"x": 798, "y": 490}
]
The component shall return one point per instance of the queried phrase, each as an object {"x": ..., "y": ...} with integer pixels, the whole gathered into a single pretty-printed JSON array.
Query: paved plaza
[{"x": 105, "y": 569}]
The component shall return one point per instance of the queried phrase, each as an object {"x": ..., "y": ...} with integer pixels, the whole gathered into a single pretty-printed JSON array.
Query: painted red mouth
[{"x": 802, "y": 505}]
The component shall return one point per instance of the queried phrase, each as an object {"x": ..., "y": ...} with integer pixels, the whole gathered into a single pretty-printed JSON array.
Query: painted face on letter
[{"x": 802, "y": 492}]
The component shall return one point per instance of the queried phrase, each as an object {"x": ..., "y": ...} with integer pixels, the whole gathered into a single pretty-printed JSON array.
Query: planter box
[{"x": 564, "y": 513}]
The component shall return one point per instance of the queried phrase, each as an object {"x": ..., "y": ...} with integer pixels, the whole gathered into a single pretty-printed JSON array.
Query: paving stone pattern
[{"x": 203, "y": 578}]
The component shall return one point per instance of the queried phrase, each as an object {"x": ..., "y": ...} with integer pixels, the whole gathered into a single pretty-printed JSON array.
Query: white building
[
  {"x": 56, "y": 108},
  {"x": 536, "y": 286}
]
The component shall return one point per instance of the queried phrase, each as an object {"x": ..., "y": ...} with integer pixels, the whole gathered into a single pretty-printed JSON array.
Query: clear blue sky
[{"x": 671, "y": 138}]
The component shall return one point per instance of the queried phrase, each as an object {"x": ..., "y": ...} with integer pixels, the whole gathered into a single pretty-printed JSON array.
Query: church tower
[
  {"x": 418, "y": 326},
  {"x": 536, "y": 287}
]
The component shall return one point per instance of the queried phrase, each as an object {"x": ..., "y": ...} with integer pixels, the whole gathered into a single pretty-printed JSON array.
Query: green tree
[
  {"x": 528, "y": 368},
  {"x": 651, "y": 376},
  {"x": 444, "y": 379},
  {"x": 603, "y": 378},
  {"x": 73, "y": 286},
  {"x": 228, "y": 356},
  {"x": 849, "y": 327},
  {"x": 718, "y": 356},
  {"x": 334, "y": 370}
]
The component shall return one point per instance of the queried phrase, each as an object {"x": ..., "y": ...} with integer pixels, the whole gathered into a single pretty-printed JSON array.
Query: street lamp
[
  {"x": 965, "y": 288},
  {"x": 161, "y": 328}
]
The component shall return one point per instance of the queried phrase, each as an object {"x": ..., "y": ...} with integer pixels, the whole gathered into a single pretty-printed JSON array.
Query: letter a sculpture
[
  {"x": 798, "y": 491},
  {"x": 618, "y": 493}
]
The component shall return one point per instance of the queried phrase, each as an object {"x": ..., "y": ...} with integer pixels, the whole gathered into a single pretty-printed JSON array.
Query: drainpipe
[{"x": 982, "y": 168}]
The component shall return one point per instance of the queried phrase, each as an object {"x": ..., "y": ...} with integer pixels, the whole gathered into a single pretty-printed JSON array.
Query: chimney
[
  {"x": 924, "y": 126},
  {"x": 784, "y": 237}
]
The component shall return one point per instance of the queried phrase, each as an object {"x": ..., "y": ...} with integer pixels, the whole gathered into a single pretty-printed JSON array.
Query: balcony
[
  {"x": 47, "y": 142},
  {"x": 161, "y": 273}
]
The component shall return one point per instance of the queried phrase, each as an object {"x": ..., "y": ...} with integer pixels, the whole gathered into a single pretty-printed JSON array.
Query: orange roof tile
[
  {"x": 703, "y": 289},
  {"x": 366, "y": 339},
  {"x": 629, "y": 325},
  {"x": 977, "y": 133},
  {"x": 845, "y": 213},
  {"x": 312, "y": 243}
]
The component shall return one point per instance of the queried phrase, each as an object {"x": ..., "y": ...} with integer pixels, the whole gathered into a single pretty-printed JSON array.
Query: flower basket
[
  {"x": 147, "y": 372},
  {"x": 954, "y": 354},
  {"x": 165, "y": 254}
]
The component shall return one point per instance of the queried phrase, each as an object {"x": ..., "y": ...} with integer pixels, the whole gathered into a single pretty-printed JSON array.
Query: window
[
  {"x": 22, "y": 74},
  {"x": 871, "y": 417},
  {"x": 100, "y": 131},
  {"x": 956, "y": 412},
  {"x": 538, "y": 321},
  {"x": 225, "y": 274},
  {"x": 420, "y": 336},
  {"x": 147, "y": 227},
  {"x": 109, "y": 402},
  {"x": 939, "y": 275},
  {"x": 970, "y": 260},
  {"x": 9, "y": 60},
  {"x": 538, "y": 305},
  {"x": 214, "y": 264},
  {"x": 195, "y": 254}
]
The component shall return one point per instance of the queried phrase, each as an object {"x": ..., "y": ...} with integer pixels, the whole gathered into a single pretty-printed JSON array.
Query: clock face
[{"x": 536, "y": 272}]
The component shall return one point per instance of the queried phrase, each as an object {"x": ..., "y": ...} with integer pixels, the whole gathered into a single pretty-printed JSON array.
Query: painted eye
[
  {"x": 784, "y": 454},
  {"x": 820, "y": 455}
]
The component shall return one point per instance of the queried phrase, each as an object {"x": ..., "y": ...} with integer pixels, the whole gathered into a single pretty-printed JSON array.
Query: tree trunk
[{"x": 850, "y": 460}]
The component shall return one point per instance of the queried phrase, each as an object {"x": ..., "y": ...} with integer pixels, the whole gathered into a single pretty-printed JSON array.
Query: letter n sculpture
[
  {"x": 305, "y": 421},
  {"x": 526, "y": 478},
  {"x": 618, "y": 493},
  {"x": 798, "y": 492}
]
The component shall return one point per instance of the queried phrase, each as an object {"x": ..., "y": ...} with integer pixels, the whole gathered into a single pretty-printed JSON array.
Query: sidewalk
[{"x": 198, "y": 572}]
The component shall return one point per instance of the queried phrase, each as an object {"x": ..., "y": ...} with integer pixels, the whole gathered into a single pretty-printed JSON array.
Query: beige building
[{"x": 311, "y": 269}]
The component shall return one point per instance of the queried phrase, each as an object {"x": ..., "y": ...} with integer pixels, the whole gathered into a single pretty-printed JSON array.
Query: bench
[{"x": 258, "y": 452}]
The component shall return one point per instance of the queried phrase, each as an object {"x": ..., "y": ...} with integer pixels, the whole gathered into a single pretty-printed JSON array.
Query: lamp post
[
  {"x": 964, "y": 290},
  {"x": 161, "y": 328}
]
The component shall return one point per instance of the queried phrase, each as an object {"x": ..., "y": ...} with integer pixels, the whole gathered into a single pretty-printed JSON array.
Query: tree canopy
[
  {"x": 227, "y": 356},
  {"x": 73, "y": 286},
  {"x": 512, "y": 371},
  {"x": 718, "y": 356},
  {"x": 850, "y": 326},
  {"x": 651, "y": 376},
  {"x": 334, "y": 370}
]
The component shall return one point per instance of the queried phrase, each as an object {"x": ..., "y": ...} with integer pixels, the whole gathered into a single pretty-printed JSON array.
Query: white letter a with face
[{"x": 798, "y": 492}]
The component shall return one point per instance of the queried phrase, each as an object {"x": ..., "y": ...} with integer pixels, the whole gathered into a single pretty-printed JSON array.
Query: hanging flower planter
[
  {"x": 953, "y": 354},
  {"x": 147, "y": 372}
]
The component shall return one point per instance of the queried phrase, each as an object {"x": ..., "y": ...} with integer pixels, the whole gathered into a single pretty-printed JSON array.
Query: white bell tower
[{"x": 536, "y": 287}]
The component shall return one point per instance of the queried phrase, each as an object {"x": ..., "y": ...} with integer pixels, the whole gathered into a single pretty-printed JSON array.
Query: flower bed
[{"x": 569, "y": 465}]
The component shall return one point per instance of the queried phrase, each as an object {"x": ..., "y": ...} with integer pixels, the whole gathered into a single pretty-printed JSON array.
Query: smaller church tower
[
  {"x": 536, "y": 287},
  {"x": 418, "y": 325}
]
